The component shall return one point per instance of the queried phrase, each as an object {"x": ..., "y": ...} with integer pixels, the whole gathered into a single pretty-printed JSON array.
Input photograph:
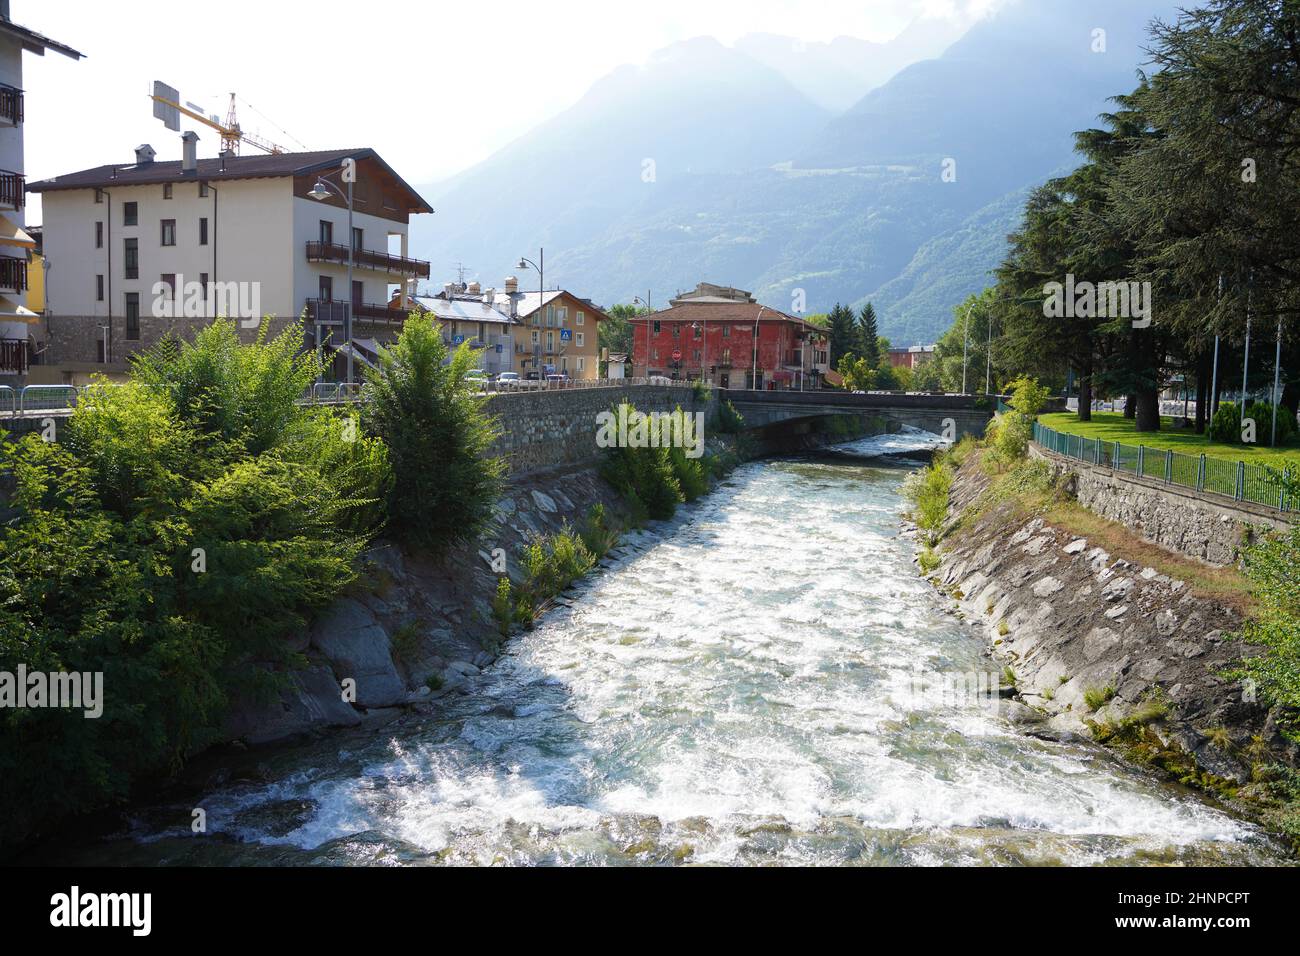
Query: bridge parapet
[{"x": 955, "y": 415}]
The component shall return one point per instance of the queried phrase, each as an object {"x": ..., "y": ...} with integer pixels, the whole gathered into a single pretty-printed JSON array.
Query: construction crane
[{"x": 167, "y": 107}]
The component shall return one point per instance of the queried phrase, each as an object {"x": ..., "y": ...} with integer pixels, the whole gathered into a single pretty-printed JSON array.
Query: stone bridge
[{"x": 958, "y": 415}]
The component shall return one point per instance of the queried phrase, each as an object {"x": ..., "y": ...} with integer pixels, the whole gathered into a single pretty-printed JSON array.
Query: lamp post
[
  {"x": 753, "y": 378},
  {"x": 965, "y": 349},
  {"x": 988, "y": 362},
  {"x": 540, "y": 266},
  {"x": 320, "y": 192}
]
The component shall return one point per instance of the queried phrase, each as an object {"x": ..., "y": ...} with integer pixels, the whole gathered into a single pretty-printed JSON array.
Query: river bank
[
  {"x": 1108, "y": 647},
  {"x": 734, "y": 687}
]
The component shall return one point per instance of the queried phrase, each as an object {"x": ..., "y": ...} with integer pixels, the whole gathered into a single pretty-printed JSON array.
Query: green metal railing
[{"x": 1238, "y": 480}]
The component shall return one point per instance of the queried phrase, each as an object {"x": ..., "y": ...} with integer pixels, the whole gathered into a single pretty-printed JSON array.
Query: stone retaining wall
[
  {"x": 1210, "y": 528},
  {"x": 546, "y": 429}
]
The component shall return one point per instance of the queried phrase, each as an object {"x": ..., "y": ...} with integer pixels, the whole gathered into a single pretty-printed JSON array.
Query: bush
[
  {"x": 928, "y": 490},
  {"x": 645, "y": 477},
  {"x": 1271, "y": 569},
  {"x": 438, "y": 434},
  {"x": 730, "y": 421},
  {"x": 170, "y": 543},
  {"x": 503, "y": 608},
  {"x": 597, "y": 533},
  {"x": 1016, "y": 427},
  {"x": 551, "y": 565},
  {"x": 692, "y": 474},
  {"x": 1226, "y": 426}
]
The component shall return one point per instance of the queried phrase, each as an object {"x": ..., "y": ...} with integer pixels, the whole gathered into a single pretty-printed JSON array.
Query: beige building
[
  {"x": 557, "y": 333},
  {"x": 147, "y": 249}
]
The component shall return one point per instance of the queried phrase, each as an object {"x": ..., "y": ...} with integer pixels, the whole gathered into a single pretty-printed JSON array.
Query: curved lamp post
[{"x": 540, "y": 266}]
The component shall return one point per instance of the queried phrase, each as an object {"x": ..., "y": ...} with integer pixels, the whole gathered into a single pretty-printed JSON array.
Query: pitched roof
[
  {"x": 34, "y": 42},
  {"x": 529, "y": 302},
  {"x": 268, "y": 166},
  {"x": 730, "y": 310},
  {"x": 460, "y": 309}
]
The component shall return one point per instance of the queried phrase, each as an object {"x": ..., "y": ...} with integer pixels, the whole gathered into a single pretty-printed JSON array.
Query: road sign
[
  {"x": 677, "y": 355},
  {"x": 566, "y": 334},
  {"x": 457, "y": 339}
]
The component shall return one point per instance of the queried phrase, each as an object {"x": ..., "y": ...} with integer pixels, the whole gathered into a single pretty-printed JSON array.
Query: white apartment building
[
  {"x": 18, "y": 275},
  {"x": 149, "y": 249}
]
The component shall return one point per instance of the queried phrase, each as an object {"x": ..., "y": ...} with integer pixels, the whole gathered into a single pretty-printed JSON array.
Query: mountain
[
  {"x": 755, "y": 185},
  {"x": 837, "y": 74}
]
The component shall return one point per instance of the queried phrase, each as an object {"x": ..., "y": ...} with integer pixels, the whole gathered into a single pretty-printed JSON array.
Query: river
[{"x": 734, "y": 690}]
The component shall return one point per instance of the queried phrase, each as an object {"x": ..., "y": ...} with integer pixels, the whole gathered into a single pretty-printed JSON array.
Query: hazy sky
[{"x": 435, "y": 87}]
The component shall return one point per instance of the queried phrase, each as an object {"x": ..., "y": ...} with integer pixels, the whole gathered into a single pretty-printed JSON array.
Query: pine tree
[
  {"x": 843, "y": 335},
  {"x": 868, "y": 336}
]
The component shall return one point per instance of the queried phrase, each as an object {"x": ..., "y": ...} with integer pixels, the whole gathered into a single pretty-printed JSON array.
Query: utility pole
[{"x": 1245, "y": 367}]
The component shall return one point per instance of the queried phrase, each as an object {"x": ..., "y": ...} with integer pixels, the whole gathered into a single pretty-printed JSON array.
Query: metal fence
[
  {"x": 1238, "y": 480},
  {"x": 37, "y": 399}
]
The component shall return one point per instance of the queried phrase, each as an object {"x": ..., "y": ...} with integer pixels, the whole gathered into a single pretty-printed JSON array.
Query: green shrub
[
  {"x": 184, "y": 532},
  {"x": 1271, "y": 568},
  {"x": 445, "y": 484},
  {"x": 644, "y": 477},
  {"x": 730, "y": 421},
  {"x": 1015, "y": 428},
  {"x": 691, "y": 473},
  {"x": 1226, "y": 426},
  {"x": 597, "y": 533},
  {"x": 503, "y": 608},
  {"x": 1097, "y": 697},
  {"x": 551, "y": 564},
  {"x": 928, "y": 490}
]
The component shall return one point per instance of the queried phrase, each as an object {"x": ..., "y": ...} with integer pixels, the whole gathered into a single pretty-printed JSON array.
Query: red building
[{"x": 711, "y": 333}]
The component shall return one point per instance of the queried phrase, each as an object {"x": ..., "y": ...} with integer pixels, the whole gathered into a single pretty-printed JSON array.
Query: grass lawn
[{"x": 1114, "y": 427}]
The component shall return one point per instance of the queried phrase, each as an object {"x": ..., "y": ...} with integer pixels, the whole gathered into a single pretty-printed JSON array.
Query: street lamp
[
  {"x": 965, "y": 350},
  {"x": 320, "y": 192},
  {"x": 540, "y": 266},
  {"x": 753, "y": 376}
]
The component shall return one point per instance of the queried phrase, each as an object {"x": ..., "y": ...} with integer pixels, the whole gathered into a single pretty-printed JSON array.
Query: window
[
  {"x": 657, "y": 328},
  {"x": 726, "y": 356},
  {"x": 99, "y": 235},
  {"x": 697, "y": 355},
  {"x": 130, "y": 214},
  {"x": 535, "y": 337},
  {"x": 550, "y": 341},
  {"x": 550, "y": 315},
  {"x": 578, "y": 338},
  {"x": 168, "y": 232},
  {"x": 99, "y": 288},
  {"x": 699, "y": 330},
  {"x": 582, "y": 364},
  {"x": 726, "y": 331},
  {"x": 325, "y": 288},
  {"x": 203, "y": 284},
  {"x": 133, "y": 316},
  {"x": 203, "y": 231},
  {"x": 169, "y": 280},
  {"x": 203, "y": 190},
  {"x": 167, "y": 190},
  {"x": 581, "y": 319},
  {"x": 131, "y": 258},
  {"x": 357, "y": 235},
  {"x": 677, "y": 331},
  {"x": 326, "y": 232},
  {"x": 358, "y": 291},
  {"x": 563, "y": 315},
  {"x": 99, "y": 197},
  {"x": 654, "y": 355}
]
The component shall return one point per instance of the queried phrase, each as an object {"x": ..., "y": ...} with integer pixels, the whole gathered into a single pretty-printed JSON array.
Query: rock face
[
  {"x": 420, "y": 629},
  {"x": 357, "y": 646},
  {"x": 1092, "y": 638}
]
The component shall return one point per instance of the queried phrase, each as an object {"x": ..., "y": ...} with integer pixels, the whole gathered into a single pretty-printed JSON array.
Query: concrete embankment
[{"x": 1107, "y": 647}]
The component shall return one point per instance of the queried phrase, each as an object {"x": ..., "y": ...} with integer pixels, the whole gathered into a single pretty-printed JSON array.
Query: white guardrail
[{"x": 42, "y": 399}]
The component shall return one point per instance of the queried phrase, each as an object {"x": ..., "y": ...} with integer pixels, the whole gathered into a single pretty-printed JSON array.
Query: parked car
[
  {"x": 555, "y": 380},
  {"x": 508, "y": 380}
]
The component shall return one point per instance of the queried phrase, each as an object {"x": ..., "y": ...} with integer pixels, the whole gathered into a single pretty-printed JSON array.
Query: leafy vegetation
[
  {"x": 1271, "y": 569},
  {"x": 438, "y": 434},
  {"x": 187, "y": 527}
]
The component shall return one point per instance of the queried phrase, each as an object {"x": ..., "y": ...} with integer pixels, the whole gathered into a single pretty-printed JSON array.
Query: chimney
[
  {"x": 190, "y": 147},
  {"x": 489, "y": 296},
  {"x": 512, "y": 285},
  {"x": 446, "y": 290},
  {"x": 144, "y": 154},
  {"x": 473, "y": 288}
]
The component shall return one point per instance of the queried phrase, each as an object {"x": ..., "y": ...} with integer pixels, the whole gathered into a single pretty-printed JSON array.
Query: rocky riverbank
[{"x": 1096, "y": 645}]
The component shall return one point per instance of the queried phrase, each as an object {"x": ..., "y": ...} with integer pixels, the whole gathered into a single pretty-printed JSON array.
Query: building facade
[
  {"x": 20, "y": 271},
  {"x": 151, "y": 249},
  {"x": 724, "y": 336},
  {"x": 557, "y": 332},
  {"x": 469, "y": 314},
  {"x": 913, "y": 357}
]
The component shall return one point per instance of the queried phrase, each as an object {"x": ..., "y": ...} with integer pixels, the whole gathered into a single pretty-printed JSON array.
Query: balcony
[
  {"x": 11, "y": 189},
  {"x": 13, "y": 274},
  {"x": 369, "y": 312},
  {"x": 11, "y": 104},
  {"x": 367, "y": 259},
  {"x": 13, "y": 356},
  {"x": 326, "y": 312}
]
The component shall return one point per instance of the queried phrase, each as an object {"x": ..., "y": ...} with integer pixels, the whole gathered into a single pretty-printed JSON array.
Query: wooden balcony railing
[
  {"x": 11, "y": 104},
  {"x": 367, "y": 259},
  {"x": 11, "y": 189},
  {"x": 327, "y": 311},
  {"x": 370, "y": 312},
  {"x": 13, "y": 274},
  {"x": 13, "y": 356}
]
